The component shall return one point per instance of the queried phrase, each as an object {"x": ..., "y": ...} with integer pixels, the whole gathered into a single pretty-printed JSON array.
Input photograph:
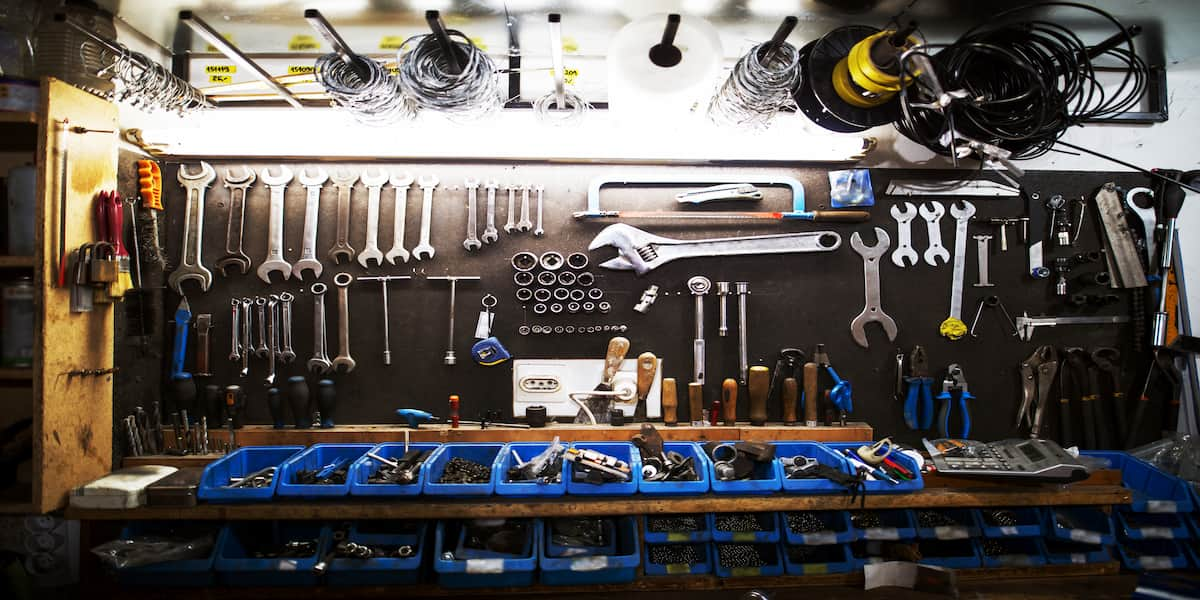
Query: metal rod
[
  {"x": 453, "y": 61},
  {"x": 231, "y": 52},
  {"x": 339, "y": 45},
  {"x": 781, "y": 34},
  {"x": 556, "y": 59}
]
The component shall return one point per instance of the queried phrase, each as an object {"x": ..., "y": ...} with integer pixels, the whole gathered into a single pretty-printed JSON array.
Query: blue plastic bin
[
  {"x": 316, "y": 457},
  {"x": 239, "y": 463},
  {"x": 1028, "y": 523},
  {"x": 235, "y": 565},
  {"x": 883, "y": 487},
  {"x": 822, "y": 453},
  {"x": 894, "y": 524},
  {"x": 381, "y": 570},
  {"x": 526, "y": 489},
  {"x": 485, "y": 572},
  {"x": 768, "y": 525},
  {"x": 1066, "y": 552},
  {"x": 554, "y": 550},
  {"x": 835, "y": 529},
  {"x": 1013, "y": 552},
  {"x": 703, "y": 567},
  {"x": 196, "y": 572},
  {"x": 365, "y": 467},
  {"x": 701, "y": 532},
  {"x": 681, "y": 488},
  {"x": 618, "y": 567},
  {"x": 765, "y": 479},
  {"x": 485, "y": 454},
  {"x": 624, "y": 451},
  {"x": 1087, "y": 525},
  {"x": 1150, "y": 526},
  {"x": 1153, "y": 490},
  {"x": 769, "y": 553},
  {"x": 967, "y": 527},
  {"x": 816, "y": 560},
  {"x": 1152, "y": 555},
  {"x": 863, "y": 553},
  {"x": 952, "y": 554}
]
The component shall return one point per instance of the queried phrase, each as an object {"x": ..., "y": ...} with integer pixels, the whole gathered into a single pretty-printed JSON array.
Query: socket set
[{"x": 550, "y": 283}]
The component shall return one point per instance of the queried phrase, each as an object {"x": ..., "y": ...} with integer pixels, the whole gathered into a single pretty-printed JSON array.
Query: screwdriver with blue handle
[
  {"x": 415, "y": 417},
  {"x": 181, "y": 381},
  {"x": 918, "y": 403}
]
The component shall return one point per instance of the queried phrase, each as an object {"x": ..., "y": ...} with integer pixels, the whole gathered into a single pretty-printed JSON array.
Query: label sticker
[
  {"x": 744, "y": 536},
  {"x": 569, "y": 44},
  {"x": 745, "y": 571},
  {"x": 1087, "y": 537},
  {"x": 677, "y": 537},
  {"x": 303, "y": 42},
  {"x": 220, "y": 69},
  {"x": 1157, "y": 533},
  {"x": 1161, "y": 506},
  {"x": 590, "y": 563},
  {"x": 817, "y": 569},
  {"x": 1009, "y": 530},
  {"x": 485, "y": 565},
  {"x": 950, "y": 532},
  {"x": 570, "y": 75},
  {"x": 881, "y": 533},
  {"x": 679, "y": 569},
  {"x": 220, "y": 79},
  {"x": 391, "y": 42},
  {"x": 300, "y": 69},
  {"x": 822, "y": 538}
]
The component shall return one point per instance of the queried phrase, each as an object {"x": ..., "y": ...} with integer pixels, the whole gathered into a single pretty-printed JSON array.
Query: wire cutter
[
  {"x": 954, "y": 382},
  {"x": 918, "y": 403}
]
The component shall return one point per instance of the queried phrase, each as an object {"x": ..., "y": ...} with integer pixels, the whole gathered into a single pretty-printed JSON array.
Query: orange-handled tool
[
  {"x": 150, "y": 184},
  {"x": 670, "y": 402}
]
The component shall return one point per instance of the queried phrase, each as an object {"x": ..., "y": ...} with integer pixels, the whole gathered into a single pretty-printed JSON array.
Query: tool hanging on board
[
  {"x": 594, "y": 407},
  {"x": 789, "y": 365},
  {"x": 918, "y": 402},
  {"x": 1108, "y": 361},
  {"x": 955, "y": 382},
  {"x": 1119, "y": 248},
  {"x": 1170, "y": 198},
  {"x": 414, "y": 418},
  {"x": 640, "y": 251},
  {"x": 1037, "y": 377},
  {"x": 488, "y": 351},
  {"x": 840, "y": 394},
  {"x": 150, "y": 190}
]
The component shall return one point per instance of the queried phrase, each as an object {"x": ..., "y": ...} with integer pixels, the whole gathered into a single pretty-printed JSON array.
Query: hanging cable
[
  {"x": 374, "y": 100},
  {"x": 427, "y": 76},
  {"x": 756, "y": 89},
  {"x": 562, "y": 105}
]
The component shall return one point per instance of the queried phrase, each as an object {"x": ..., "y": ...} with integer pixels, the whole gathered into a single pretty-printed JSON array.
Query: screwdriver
[
  {"x": 670, "y": 402},
  {"x": 757, "y": 387},
  {"x": 181, "y": 381},
  {"x": 298, "y": 399},
  {"x": 275, "y": 405},
  {"x": 326, "y": 401},
  {"x": 696, "y": 403},
  {"x": 729, "y": 390},
  {"x": 788, "y": 396}
]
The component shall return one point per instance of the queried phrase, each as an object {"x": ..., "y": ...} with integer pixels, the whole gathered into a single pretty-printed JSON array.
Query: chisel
[
  {"x": 729, "y": 390},
  {"x": 788, "y": 396},
  {"x": 757, "y": 387},
  {"x": 811, "y": 399},
  {"x": 696, "y": 404},
  {"x": 670, "y": 402}
]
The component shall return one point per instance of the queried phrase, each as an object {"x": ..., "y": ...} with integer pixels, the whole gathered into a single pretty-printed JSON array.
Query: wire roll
[
  {"x": 142, "y": 82},
  {"x": 424, "y": 78},
  {"x": 575, "y": 107},
  {"x": 377, "y": 100},
  {"x": 756, "y": 90}
]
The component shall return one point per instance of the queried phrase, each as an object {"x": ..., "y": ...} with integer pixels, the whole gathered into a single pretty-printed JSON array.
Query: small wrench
[
  {"x": 490, "y": 235},
  {"x": 247, "y": 304},
  {"x": 275, "y": 261},
  {"x": 235, "y": 352},
  {"x": 344, "y": 182},
  {"x": 472, "y": 242},
  {"x": 982, "y": 254},
  {"x": 524, "y": 224},
  {"x": 511, "y": 225},
  {"x": 234, "y": 255},
  {"x": 401, "y": 183},
  {"x": 286, "y": 354},
  {"x": 312, "y": 214},
  {"x": 370, "y": 251},
  {"x": 904, "y": 255},
  {"x": 191, "y": 265},
  {"x": 343, "y": 360},
  {"x": 319, "y": 363},
  {"x": 932, "y": 213},
  {"x": 261, "y": 349},
  {"x": 428, "y": 183},
  {"x": 539, "y": 231},
  {"x": 273, "y": 336}
]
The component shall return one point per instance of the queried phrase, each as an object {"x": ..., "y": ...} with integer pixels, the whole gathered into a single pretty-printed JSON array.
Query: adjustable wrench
[
  {"x": 234, "y": 255},
  {"x": 401, "y": 183},
  {"x": 472, "y": 242},
  {"x": 319, "y": 363},
  {"x": 490, "y": 235},
  {"x": 275, "y": 261},
  {"x": 539, "y": 231},
  {"x": 511, "y": 225},
  {"x": 235, "y": 351},
  {"x": 953, "y": 327},
  {"x": 273, "y": 336},
  {"x": 370, "y": 251},
  {"x": 343, "y": 360},
  {"x": 932, "y": 213},
  {"x": 261, "y": 349},
  {"x": 344, "y": 182},
  {"x": 640, "y": 251},
  {"x": 286, "y": 354},
  {"x": 428, "y": 183},
  {"x": 190, "y": 257},
  {"x": 873, "y": 310},
  {"x": 904, "y": 255},
  {"x": 524, "y": 224},
  {"x": 312, "y": 214},
  {"x": 247, "y": 304}
]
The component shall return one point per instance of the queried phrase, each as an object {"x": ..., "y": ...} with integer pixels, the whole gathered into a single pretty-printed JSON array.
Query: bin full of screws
[
  {"x": 402, "y": 471},
  {"x": 676, "y": 559},
  {"x": 746, "y": 559},
  {"x": 745, "y": 527},
  {"x": 675, "y": 523},
  {"x": 462, "y": 470}
]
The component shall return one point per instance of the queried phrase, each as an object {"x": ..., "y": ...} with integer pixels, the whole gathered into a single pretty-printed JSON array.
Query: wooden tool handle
[
  {"x": 617, "y": 348},
  {"x": 758, "y": 385},
  {"x": 647, "y": 366},
  {"x": 841, "y": 216},
  {"x": 789, "y": 395},
  {"x": 669, "y": 402},
  {"x": 729, "y": 390},
  {"x": 811, "y": 399},
  {"x": 696, "y": 402}
]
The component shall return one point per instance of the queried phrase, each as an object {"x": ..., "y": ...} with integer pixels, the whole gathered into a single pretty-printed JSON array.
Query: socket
[{"x": 548, "y": 382}]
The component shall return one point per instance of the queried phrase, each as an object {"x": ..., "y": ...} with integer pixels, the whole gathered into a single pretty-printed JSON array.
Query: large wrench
[
  {"x": 1148, "y": 218},
  {"x": 344, "y": 182},
  {"x": 511, "y": 225},
  {"x": 401, "y": 183},
  {"x": 428, "y": 183},
  {"x": 370, "y": 251},
  {"x": 641, "y": 251},
  {"x": 490, "y": 235},
  {"x": 319, "y": 363},
  {"x": 234, "y": 255},
  {"x": 904, "y": 252},
  {"x": 873, "y": 311},
  {"x": 272, "y": 336},
  {"x": 191, "y": 264},
  {"x": 953, "y": 327},
  {"x": 343, "y": 360},
  {"x": 275, "y": 261},
  {"x": 312, "y": 214},
  {"x": 525, "y": 224},
  {"x": 472, "y": 242},
  {"x": 932, "y": 213}
]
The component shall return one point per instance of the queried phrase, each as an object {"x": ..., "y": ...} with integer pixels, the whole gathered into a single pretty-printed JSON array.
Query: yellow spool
[{"x": 857, "y": 69}]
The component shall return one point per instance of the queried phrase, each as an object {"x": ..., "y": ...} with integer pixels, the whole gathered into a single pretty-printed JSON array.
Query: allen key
[{"x": 383, "y": 283}]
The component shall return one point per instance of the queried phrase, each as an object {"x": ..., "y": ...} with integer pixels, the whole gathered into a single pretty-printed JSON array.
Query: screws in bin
[
  {"x": 740, "y": 556},
  {"x": 461, "y": 470},
  {"x": 675, "y": 554}
]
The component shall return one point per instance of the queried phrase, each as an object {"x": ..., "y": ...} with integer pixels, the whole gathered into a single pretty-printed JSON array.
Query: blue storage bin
[
  {"x": 618, "y": 566},
  {"x": 555, "y": 550},
  {"x": 239, "y": 463},
  {"x": 197, "y": 572},
  {"x": 680, "y": 488},
  {"x": 1028, "y": 523},
  {"x": 365, "y": 467},
  {"x": 765, "y": 479},
  {"x": 623, "y": 451},
  {"x": 894, "y": 524},
  {"x": 865, "y": 552},
  {"x": 822, "y": 453},
  {"x": 484, "y": 454},
  {"x": 526, "y": 489},
  {"x": 835, "y": 528},
  {"x": 1153, "y": 490},
  {"x": 1152, "y": 555},
  {"x": 1012, "y": 552},
  {"x": 1150, "y": 526},
  {"x": 880, "y": 486},
  {"x": 316, "y": 457},
  {"x": 703, "y": 566},
  {"x": 767, "y": 532},
  {"x": 1066, "y": 552},
  {"x": 485, "y": 572},
  {"x": 967, "y": 520},
  {"x": 952, "y": 554},
  {"x": 817, "y": 560},
  {"x": 768, "y": 552},
  {"x": 236, "y": 566},
  {"x": 381, "y": 570},
  {"x": 1083, "y": 524},
  {"x": 462, "y": 551},
  {"x": 669, "y": 534}
]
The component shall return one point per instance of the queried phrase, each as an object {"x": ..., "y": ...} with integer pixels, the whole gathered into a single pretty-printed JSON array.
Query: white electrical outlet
[{"x": 549, "y": 382}]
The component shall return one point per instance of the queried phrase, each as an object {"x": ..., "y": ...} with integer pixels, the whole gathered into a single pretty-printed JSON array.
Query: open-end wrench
[
  {"x": 904, "y": 255},
  {"x": 275, "y": 261},
  {"x": 272, "y": 318},
  {"x": 423, "y": 249},
  {"x": 190, "y": 257},
  {"x": 319, "y": 363},
  {"x": 1147, "y": 216},
  {"x": 247, "y": 349},
  {"x": 539, "y": 231},
  {"x": 344, "y": 182},
  {"x": 234, "y": 255},
  {"x": 932, "y": 213},
  {"x": 981, "y": 251},
  {"x": 374, "y": 185},
  {"x": 312, "y": 214},
  {"x": 261, "y": 349},
  {"x": 343, "y": 361},
  {"x": 873, "y": 310},
  {"x": 511, "y": 225},
  {"x": 235, "y": 349},
  {"x": 472, "y": 242},
  {"x": 953, "y": 327},
  {"x": 640, "y": 251},
  {"x": 490, "y": 235},
  {"x": 524, "y": 224},
  {"x": 401, "y": 183},
  {"x": 286, "y": 354}
]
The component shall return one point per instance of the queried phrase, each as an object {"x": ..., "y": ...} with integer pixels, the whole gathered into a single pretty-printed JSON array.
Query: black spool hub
[{"x": 817, "y": 98}]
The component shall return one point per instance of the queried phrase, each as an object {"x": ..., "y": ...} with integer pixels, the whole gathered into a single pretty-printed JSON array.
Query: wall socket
[{"x": 548, "y": 382}]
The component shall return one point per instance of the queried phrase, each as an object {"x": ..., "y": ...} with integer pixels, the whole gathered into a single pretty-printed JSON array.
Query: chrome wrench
[
  {"x": 641, "y": 251},
  {"x": 401, "y": 183},
  {"x": 312, "y": 214},
  {"x": 275, "y": 261},
  {"x": 273, "y": 336},
  {"x": 490, "y": 235},
  {"x": 261, "y": 349},
  {"x": 247, "y": 305},
  {"x": 234, "y": 255},
  {"x": 904, "y": 255},
  {"x": 428, "y": 183},
  {"x": 344, "y": 182},
  {"x": 932, "y": 212},
  {"x": 539, "y": 231},
  {"x": 286, "y": 354},
  {"x": 472, "y": 242},
  {"x": 235, "y": 351},
  {"x": 511, "y": 225},
  {"x": 343, "y": 360},
  {"x": 370, "y": 251},
  {"x": 873, "y": 309},
  {"x": 981, "y": 250},
  {"x": 1148, "y": 218},
  {"x": 319, "y": 363},
  {"x": 191, "y": 264},
  {"x": 953, "y": 327},
  {"x": 699, "y": 287},
  {"x": 524, "y": 224}
]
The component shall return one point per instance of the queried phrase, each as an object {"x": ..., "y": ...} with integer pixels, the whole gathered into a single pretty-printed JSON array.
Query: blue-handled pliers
[
  {"x": 918, "y": 403},
  {"x": 954, "y": 382}
]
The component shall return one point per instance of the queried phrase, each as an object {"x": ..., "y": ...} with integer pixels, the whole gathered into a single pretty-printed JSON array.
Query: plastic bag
[
  {"x": 1177, "y": 455},
  {"x": 150, "y": 549},
  {"x": 851, "y": 188}
]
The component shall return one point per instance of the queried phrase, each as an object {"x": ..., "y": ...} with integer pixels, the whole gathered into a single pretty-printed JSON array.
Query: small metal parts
[{"x": 647, "y": 300}]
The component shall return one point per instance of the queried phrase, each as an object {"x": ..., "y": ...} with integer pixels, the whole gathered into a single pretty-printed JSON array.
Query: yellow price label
[
  {"x": 303, "y": 42},
  {"x": 228, "y": 37},
  {"x": 394, "y": 70},
  {"x": 478, "y": 41},
  {"x": 745, "y": 571},
  {"x": 220, "y": 79},
  {"x": 817, "y": 569},
  {"x": 569, "y": 44},
  {"x": 679, "y": 569},
  {"x": 300, "y": 69},
  {"x": 220, "y": 69},
  {"x": 570, "y": 75},
  {"x": 677, "y": 537},
  {"x": 744, "y": 536},
  {"x": 391, "y": 42}
]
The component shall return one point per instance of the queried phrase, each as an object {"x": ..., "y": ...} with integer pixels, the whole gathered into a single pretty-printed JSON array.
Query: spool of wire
[
  {"x": 375, "y": 100},
  {"x": 760, "y": 85},
  {"x": 574, "y": 108},
  {"x": 427, "y": 80}
]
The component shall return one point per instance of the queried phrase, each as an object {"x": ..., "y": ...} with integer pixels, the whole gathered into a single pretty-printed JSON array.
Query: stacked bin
[
  {"x": 814, "y": 450},
  {"x": 679, "y": 488},
  {"x": 236, "y": 564},
  {"x": 879, "y": 486},
  {"x": 240, "y": 463},
  {"x": 765, "y": 479},
  {"x": 192, "y": 572},
  {"x": 526, "y": 451},
  {"x": 623, "y": 451},
  {"x": 363, "y": 468},
  {"x": 820, "y": 551},
  {"x": 495, "y": 570},
  {"x": 617, "y": 565},
  {"x": 435, "y": 465},
  {"x": 384, "y": 570},
  {"x": 315, "y": 458}
]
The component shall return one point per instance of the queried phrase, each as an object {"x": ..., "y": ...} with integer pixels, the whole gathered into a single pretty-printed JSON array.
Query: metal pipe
[
  {"x": 743, "y": 290},
  {"x": 556, "y": 59},
  {"x": 339, "y": 45},
  {"x": 231, "y": 52}
]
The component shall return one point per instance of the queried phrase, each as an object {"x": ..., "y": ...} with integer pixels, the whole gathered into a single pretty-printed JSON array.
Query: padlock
[
  {"x": 105, "y": 265},
  {"x": 81, "y": 292}
]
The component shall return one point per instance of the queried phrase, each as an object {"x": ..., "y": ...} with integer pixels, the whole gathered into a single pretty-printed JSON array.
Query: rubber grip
[
  {"x": 185, "y": 393},
  {"x": 670, "y": 402},
  {"x": 910, "y": 405},
  {"x": 696, "y": 402},
  {"x": 275, "y": 405},
  {"x": 150, "y": 184},
  {"x": 943, "y": 418},
  {"x": 297, "y": 391},
  {"x": 729, "y": 391},
  {"x": 1066, "y": 436},
  {"x": 757, "y": 385},
  {"x": 1103, "y": 432},
  {"x": 811, "y": 399},
  {"x": 789, "y": 396},
  {"x": 326, "y": 402}
]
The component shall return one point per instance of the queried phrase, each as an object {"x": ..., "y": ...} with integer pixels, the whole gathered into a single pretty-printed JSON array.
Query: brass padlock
[{"x": 105, "y": 265}]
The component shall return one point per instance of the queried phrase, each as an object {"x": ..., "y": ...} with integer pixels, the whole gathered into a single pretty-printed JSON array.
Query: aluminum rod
[
  {"x": 339, "y": 45},
  {"x": 231, "y": 52}
]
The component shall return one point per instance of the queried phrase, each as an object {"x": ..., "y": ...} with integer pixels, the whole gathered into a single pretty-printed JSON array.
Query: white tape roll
[{"x": 640, "y": 89}]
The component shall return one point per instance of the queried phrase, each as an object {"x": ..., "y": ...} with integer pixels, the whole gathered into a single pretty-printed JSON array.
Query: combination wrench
[
  {"x": 428, "y": 183},
  {"x": 272, "y": 335},
  {"x": 286, "y": 354},
  {"x": 904, "y": 255},
  {"x": 511, "y": 225},
  {"x": 374, "y": 185},
  {"x": 275, "y": 261},
  {"x": 343, "y": 360},
  {"x": 234, "y": 255},
  {"x": 261, "y": 349},
  {"x": 472, "y": 242},
  {"x": 312, "y": 214},
  {"x": 932, "y": 213},
  {"x": 539, "y": 231},
  {"x": 490, "y": 235},
  {"x": 344, "y": 182},
  {"x": 873, "y": 309},
  {"x": 953, "y": 327},
  {"x": 524, "y": 224},
  {"x": 319, "y": 363},
  {"x": 190, "y": 257},
  {"x": 401, "y": 184},
  {"x": 247, "y": 306},
  {"x": 235, "y": 351}
]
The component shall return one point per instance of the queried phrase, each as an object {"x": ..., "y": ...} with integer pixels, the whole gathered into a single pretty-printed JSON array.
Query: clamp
[
  {"x": 918, "y": 403},
  {"x": 954, "y": 382},
  {"x": 1037, "y": 377}
]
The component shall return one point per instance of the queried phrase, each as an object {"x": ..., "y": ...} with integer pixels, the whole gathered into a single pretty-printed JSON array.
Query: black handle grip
[
  {"x": 326, "y": 402},
  {"x": 275, "y": 404},
  {"x": 184, "y": 388},
  {"x": 298, "y": 398},
  {"x": 213, "y": 403}
]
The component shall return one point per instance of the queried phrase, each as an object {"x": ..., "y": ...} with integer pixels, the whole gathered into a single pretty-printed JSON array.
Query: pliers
[
  {"x": 954, "y": 382},
  {"x": 918, "y": 403}
]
